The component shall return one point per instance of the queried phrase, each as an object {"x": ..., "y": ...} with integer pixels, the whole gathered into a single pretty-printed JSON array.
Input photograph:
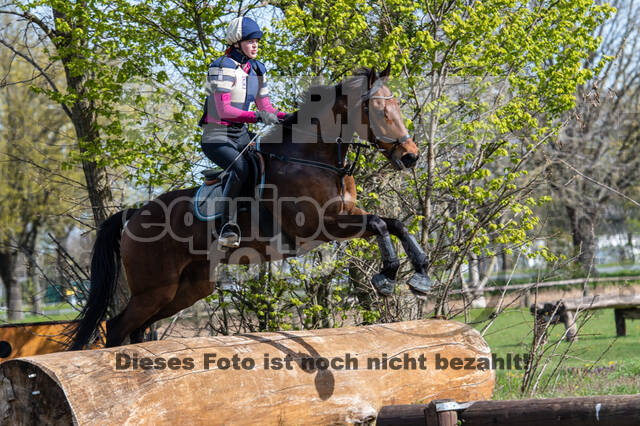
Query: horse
[{"x": 168, "y": 255}]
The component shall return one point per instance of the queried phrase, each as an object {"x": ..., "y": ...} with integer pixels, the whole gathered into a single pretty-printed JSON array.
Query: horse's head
[
  {"x": 385, "y": 126},
  {"x": 364, "y": 96}
]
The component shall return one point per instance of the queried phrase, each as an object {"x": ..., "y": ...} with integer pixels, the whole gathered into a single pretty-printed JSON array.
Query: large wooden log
[{"x": 87, "y": 388}]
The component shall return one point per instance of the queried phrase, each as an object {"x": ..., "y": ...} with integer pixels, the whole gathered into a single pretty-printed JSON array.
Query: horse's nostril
[{"x": 409, "y": 160}]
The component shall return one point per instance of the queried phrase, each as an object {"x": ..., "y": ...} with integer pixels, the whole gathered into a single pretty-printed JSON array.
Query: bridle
[
  {"x": 372, "y": 139},
  {"x": 377, "y": 85},
  {"x": 373, "y": 142}
]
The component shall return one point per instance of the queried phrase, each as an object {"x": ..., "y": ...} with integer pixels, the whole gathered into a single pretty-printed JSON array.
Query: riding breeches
[{"x": 222, "y": 145}]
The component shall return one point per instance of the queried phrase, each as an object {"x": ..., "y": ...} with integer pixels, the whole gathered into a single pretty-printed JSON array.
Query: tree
[
  {"x": 86, "y": 40},
  {"x": 597, "y": 157},
  {"x": 34, "y": 190},
  {"x": 483, "y": 85}
]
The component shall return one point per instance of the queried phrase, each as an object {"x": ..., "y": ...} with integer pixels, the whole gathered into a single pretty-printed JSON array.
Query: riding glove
[{"x": 267, "y": 117}]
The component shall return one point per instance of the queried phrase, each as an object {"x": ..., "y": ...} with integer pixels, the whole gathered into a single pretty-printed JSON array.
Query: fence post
[{"x": 437, "y": 415}]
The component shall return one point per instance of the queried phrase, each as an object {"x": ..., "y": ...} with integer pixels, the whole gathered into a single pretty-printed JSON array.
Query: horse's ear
[
  {"x": 386, "y": 71},
  {"x": 372, "y": 76}
]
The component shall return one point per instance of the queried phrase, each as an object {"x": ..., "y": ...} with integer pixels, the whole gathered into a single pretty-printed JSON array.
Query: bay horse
[{"x": 168, "y": 255}]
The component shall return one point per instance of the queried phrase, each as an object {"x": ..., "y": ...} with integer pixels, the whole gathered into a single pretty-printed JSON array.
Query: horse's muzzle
[{"x": 409, "y": 160}]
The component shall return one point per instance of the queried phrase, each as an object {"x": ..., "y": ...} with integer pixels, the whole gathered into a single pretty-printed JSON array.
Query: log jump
[
  {"x": 608, "y": 410},
  {"x": 342, "y": 375}
]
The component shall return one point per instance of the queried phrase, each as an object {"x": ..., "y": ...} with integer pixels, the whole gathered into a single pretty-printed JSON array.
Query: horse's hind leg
[
  {"x": 140, "y": 308},
  {"x": 195, "y": 284},
  {"x": 137, "y": 336},
  {"x": 149, "y": 294}
]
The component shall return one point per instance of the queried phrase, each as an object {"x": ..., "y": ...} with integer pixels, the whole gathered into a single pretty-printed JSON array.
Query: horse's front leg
[
  {"x": 420, "y": 281},
  {"x": 342, "y": 227}
]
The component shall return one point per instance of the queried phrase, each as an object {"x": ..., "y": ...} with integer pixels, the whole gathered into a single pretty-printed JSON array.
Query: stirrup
[{"x": 233, "y": 239}]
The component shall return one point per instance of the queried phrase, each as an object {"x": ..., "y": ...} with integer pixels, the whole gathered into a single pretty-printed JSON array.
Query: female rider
[{"x": 234, "y": 81}]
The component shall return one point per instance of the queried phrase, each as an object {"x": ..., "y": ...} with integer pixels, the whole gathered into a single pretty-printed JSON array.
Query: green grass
[
  {"x": 598, "y": 363},
  {"x": 57, "y": 306},
  {"x": 57, "y": 317},
  {"x": 44, "y": 318}
]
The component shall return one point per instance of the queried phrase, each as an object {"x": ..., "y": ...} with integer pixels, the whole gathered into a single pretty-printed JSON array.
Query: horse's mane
[{"x": 350, "y": 83}]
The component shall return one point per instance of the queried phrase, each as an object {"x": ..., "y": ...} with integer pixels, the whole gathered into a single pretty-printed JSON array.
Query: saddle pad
[{"x": 205, "y": 204}]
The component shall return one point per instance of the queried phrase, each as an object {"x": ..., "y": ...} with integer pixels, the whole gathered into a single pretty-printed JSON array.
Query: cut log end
[{"x": 30, "y": 396}]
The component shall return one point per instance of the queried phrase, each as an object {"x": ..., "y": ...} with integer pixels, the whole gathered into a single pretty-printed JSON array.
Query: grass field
[
  {"x": 56, "y": 317},
  {"x": 598, "y": 363}
]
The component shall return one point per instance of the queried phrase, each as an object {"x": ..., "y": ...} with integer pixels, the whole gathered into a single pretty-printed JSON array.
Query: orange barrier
[{"x": 26, "y": 339}]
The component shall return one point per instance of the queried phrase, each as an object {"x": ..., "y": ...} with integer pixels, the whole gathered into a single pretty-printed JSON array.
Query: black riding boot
[{"x": 230, "y": 231}]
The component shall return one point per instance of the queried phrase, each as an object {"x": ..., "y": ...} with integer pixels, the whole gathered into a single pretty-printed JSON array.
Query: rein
[{"x": 343, "y": 170}]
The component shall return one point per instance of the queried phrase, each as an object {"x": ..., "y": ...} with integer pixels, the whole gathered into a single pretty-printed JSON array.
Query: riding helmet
[{"x": 242, "y": 28}]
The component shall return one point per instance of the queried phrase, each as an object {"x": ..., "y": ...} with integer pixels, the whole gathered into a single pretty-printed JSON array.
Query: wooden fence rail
[
  {"x": 608, "y": 410},
  {"x": 553, "y": 284}
]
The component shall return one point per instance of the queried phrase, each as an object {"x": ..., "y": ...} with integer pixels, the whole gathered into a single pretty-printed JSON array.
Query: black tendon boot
[{"x": 230, "y": 231}]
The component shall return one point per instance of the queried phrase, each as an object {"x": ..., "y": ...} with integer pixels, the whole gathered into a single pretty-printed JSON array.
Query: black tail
[{"x": 105, "y": 265}]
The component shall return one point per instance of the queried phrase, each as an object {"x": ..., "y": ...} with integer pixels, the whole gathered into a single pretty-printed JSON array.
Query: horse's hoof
[
  {"x": 383, "y": 285},
  {"x": 420, "y": 284},
  {"x": 418, "y": 295}
]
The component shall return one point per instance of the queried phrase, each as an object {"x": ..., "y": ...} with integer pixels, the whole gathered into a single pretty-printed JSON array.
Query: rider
[{"x": 234, "y": 81}]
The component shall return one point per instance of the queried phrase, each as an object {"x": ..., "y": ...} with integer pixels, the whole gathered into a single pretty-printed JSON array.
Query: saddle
[{"x": 206, "y": 202}]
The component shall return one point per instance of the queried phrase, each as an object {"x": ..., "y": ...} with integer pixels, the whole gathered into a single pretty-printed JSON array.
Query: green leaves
[{"x": 482, "y": 84}]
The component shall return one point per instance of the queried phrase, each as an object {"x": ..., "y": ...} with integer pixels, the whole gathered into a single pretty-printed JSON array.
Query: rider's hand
[
  {"x": 267, "y": 117},
  {"x": 287, "y": 117}
]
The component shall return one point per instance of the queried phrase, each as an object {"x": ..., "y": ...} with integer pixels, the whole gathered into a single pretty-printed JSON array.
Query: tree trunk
[
  {"x": 505, "y": 267},
  {"x": 363, "y": 294},
  {"x": 584, "y": 239},
  {"x": 84, "y": 116},
  {"x": 36, "y": 295},
  {"x": 479, "y": 273},
  {"x": 28, "y": 247},
  {"x": 11, "y": 285}
]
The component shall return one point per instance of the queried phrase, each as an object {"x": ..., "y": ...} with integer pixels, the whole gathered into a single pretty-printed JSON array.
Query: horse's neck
[{"x": 303, "y": 143}]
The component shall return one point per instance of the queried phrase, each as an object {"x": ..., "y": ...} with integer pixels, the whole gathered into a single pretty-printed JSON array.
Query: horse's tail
[{"x": 105, "y": 265}]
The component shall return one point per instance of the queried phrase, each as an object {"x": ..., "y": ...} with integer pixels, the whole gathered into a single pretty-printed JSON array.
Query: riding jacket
[{"x": 233, "y": 83}]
